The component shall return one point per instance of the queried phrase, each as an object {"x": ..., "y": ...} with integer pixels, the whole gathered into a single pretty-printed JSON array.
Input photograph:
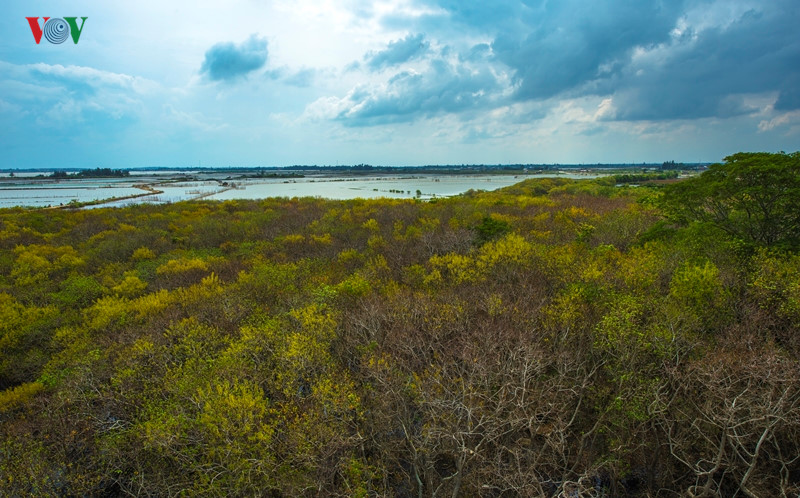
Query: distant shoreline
[{"x": 356, "y": 170}]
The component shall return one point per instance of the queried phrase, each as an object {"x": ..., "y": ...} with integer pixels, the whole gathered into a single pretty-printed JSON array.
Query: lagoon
[{"x": 44, "y": 193}]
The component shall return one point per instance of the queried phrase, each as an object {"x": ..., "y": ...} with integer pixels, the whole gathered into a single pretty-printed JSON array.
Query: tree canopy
[{"x": 754, "y": 197}]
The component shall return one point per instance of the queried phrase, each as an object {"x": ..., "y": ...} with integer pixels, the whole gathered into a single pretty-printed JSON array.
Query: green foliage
[
  {"x": 699, "y": 297},
  {"x": 24, "y": 339},
  {"x": 174, "y": 266},
  {"x": 130, "y": 286},
  {"x": 36, "y": 264},
  {"x": 634, "y": 178},
  {"x": 79, "y": 291},
  {"x": 354, "y": 286},
  {"x": 776, "y": 284},
  {"x": 491, "y": 228},
  {"x": 698, "y": 286},
  {"x": 143, "y": 253},
  {"x": 18, "y": 395},
  {"x": 752, "y": 196}
]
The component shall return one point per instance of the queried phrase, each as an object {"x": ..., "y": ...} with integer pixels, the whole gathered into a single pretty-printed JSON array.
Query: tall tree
[{"x": 752, "y": 196}]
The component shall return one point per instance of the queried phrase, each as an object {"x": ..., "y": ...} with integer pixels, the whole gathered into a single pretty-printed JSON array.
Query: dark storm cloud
[
  {"x": 711, "y": 74},
  {"x": 228, "y": 61},
  {"x": 789, "y": 98},
  {"x": 398, "y": 52},
  {"x": 557, "y": 47},
  {"x": 442, "y": 88},
  {"x": 570, "y": 43},
  {"x": 656, "y": 59}
]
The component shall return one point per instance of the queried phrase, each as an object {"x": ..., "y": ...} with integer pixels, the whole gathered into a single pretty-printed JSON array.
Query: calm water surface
[{"x": 25, "y": 192}]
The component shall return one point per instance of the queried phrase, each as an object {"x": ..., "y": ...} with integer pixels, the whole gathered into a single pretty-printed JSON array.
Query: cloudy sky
[{"x": 398, "y": 82}]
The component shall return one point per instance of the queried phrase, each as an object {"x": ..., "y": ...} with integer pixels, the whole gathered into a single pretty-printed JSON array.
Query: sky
[{"x": 181, "y": 83}]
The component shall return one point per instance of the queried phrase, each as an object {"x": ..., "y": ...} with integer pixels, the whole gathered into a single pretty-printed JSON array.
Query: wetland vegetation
[{"x": 556, "y": 337}]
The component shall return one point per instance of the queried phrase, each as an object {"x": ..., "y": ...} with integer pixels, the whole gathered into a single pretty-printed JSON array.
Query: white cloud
[
  {"x": 194, "y": 120},
  {"x": 605, "y": 110},
  {"x": 781, "y": 120},
  {"x": 95, "y": 77},
  {"x": 327, "y": 108}
]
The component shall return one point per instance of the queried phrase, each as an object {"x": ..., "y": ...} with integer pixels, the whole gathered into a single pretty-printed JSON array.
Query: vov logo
[{"x": 56, "y": 29}]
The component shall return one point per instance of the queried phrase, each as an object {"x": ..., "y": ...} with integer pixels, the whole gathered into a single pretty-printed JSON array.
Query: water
[
  {"x": 25, "y": 192},
  {"x": 43, "y": 194},
  {"x": 369, "y": 187}
]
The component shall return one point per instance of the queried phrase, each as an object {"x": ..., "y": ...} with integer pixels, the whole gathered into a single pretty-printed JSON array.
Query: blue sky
[{"x": 399, "y": 82}]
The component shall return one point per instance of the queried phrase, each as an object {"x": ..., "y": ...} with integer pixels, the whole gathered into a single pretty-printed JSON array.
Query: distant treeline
[
  {"x": 263, "y": 174},
  {"x": 472, "y": 168},
  {"x": 93, "y": 173},
  {"x": 673, "y": 165},
  {"x": 633, "y": 178},
  {"x": 282, "y": 171}
]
